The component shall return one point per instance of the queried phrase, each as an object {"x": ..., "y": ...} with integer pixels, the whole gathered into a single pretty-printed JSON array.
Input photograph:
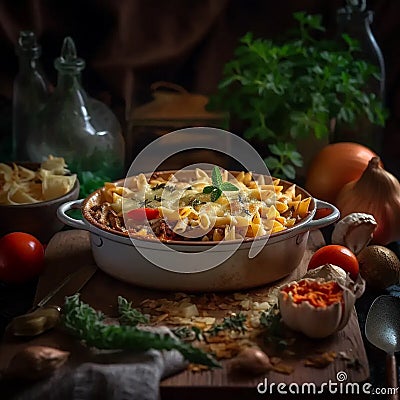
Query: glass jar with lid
[{"x": 82, "y": 130}]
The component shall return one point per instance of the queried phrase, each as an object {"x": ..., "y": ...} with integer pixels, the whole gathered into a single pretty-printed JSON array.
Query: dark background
[{"x": 129, "y": 44}]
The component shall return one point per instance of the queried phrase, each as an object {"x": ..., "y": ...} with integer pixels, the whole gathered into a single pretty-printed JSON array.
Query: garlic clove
[
  {"x": 251, "y": 360},
  {"x": 36, "y": 362},
  {"x": 354, "y": 231}
]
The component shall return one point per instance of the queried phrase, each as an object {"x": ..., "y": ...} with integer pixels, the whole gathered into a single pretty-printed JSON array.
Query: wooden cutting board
[{"x": 69, "y": 250}]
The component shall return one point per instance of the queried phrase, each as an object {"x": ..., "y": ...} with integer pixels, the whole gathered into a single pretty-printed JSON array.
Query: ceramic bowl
[{"x": 38, "y": 219}]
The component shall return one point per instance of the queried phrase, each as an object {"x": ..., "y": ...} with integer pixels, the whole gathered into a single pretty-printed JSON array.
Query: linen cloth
[{"x": 114, "y": 375}]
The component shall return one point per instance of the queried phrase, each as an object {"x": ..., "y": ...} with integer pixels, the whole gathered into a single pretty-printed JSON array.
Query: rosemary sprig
[
  {"x": 87, "y": 324},
  {"x": 129, "y": 315}
]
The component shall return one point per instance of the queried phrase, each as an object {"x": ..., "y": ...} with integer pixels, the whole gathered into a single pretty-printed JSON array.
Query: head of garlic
[
  {"x": 320, "y": 322},
  {"x": 377, "y": 192}
]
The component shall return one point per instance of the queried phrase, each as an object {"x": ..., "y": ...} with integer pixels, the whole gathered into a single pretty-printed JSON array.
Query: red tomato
[
  {"x": 21, "y": 257},
  {"x": 139, "y": 215},
  {"x": 336, "y": 255}
]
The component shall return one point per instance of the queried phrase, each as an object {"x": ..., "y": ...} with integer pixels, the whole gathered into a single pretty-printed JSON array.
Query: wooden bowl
[{"x": 38, "y": 219}]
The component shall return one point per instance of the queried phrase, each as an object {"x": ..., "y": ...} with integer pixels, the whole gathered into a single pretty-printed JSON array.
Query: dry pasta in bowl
[
  {"x": 198, "y": 205},
  {"x": 20, "y": 185}
]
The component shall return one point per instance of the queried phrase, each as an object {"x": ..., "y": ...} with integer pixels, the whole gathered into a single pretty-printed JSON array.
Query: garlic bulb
[
  {"x": 377, "y": 192},
  {"x": 325, "y": 318},
  {"x": 354, "y": 231}
]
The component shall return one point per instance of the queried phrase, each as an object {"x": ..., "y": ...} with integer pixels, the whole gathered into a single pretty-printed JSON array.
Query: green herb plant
[
  {"x": 88, "y": 325},
  {"x": 217, "y": 187},
  {"x": 290, "y": 90}
]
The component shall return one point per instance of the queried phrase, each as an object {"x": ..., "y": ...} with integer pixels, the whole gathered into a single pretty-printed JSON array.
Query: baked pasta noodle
[{"x": 260, "y": 206}]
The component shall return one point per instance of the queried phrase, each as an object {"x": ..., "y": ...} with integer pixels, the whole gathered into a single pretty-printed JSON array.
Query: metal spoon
[
  {"x": 44, "y": 316},
  {"x": 382, "y": 329}
]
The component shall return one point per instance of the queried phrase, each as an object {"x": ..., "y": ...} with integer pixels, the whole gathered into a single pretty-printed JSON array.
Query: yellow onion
[{"x": 377, "y": 192}]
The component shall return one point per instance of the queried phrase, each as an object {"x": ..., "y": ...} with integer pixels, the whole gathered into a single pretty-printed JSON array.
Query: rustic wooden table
[{"x": 70, "y": 250}]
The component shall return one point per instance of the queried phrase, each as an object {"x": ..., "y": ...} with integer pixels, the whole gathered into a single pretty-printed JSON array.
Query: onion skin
[
  {"x": 377, "y": 192},
  {"x": 251, "y": 360},
  {"x": 334, "y": 166},
  {"x": 36, "y": 362}
]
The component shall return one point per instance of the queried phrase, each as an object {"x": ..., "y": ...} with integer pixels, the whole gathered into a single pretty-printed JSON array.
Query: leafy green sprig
[
  {"x": 218, "y": 186},
  {"x": 87, "y": 324},
  {"x": 235, "y": 322}
]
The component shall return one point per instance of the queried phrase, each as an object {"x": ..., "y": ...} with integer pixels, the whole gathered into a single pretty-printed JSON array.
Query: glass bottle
[
  {"x": 30, "y": 93},
  {"x": 355, "y": 20},
  {"x": 91, "y": 142}
]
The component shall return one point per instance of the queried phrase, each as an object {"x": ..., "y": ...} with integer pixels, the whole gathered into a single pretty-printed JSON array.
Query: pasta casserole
[{"x": 202, "y": 206}]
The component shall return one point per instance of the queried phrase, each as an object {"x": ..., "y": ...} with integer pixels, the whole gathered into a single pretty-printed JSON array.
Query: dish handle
[
  {"x": 66, "y": 219},
  {"x": 328, "y": 215}
]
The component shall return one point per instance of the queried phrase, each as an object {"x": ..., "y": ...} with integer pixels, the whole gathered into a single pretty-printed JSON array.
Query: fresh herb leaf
[
  {"x": 216, "y": 177},
  {"x": 208, "y": 189},
  {"x": 89, "y": 182},
  {"x": 228, "y": 187},
  {"x": 271, "y": 320},
  {"x": 198, "y": 333},
  {"x": 128, "y": 314},
  {"x": 235, "y": 322},
  {"x": 216, "y": 194},
  {"x": 183, "y": 332},
  {"x": 218, "y": 186},
  {"x": 87, "y": 325}
]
